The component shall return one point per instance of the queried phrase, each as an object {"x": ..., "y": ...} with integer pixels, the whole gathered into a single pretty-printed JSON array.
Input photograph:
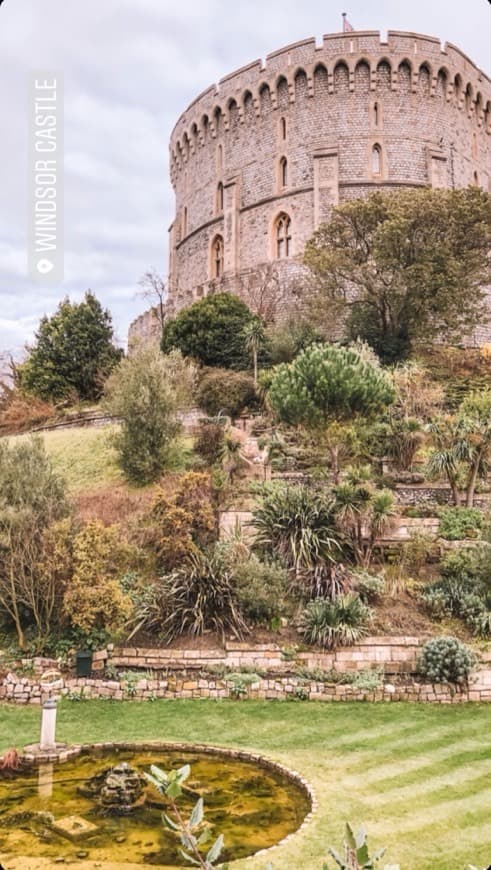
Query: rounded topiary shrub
[
  {"x": 222, "y": 390},
  {"x": 446, "y": 660}
]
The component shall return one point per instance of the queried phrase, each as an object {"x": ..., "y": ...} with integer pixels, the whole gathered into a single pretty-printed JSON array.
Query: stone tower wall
[{"x": 323, "y": 107}]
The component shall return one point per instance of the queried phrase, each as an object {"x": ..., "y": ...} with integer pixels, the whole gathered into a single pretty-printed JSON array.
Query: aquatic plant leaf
[
  {"x": 173, "y": 790},
  {"x": 215, "y": 850},
  {"x": 205, "y": 836},
  {"x": 188, "y": 841},
  {"x": 189, "y": 858},
  {"x": 158, "y": 773},
  {"x": 157, "y": 784},
  {"x": 197, "y": 814},
  {"x": 184, "y": 772},
  {"x": 169, "y": 823}
]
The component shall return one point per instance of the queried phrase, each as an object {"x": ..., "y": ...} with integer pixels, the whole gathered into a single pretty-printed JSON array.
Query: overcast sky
[{"x": 130, "y": 67}]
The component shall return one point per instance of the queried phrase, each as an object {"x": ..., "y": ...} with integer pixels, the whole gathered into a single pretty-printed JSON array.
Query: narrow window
[
  {"x": 376, "y": 115},
  {"x": 283, "y": 172},
  {"x": 283, "y": 236},
  {"x": 283, "y": 128},
  {"x": 474, "y": 146},
  {"x": 475, "y": 180},
  {"x": 185, "y": 222},
  {"x": 217, "y": 257},
  {"x": 219, "y": 201},
  {"x": 220, "y": 158},
  {"x": 376, "y": 160}
]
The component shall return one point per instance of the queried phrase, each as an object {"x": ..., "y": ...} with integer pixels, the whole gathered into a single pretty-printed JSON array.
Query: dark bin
[{"x": 84, "y": 663}]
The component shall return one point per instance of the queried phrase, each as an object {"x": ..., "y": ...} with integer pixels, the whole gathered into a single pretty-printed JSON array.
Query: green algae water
[{"x": 253, "y": 806}]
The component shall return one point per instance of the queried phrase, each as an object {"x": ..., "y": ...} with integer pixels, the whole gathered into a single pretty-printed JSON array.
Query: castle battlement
[{"x": 345, "y": 49}]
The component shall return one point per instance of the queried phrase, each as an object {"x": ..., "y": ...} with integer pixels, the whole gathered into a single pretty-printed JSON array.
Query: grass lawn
[
  {"x": 82, "y": 455},
  {"x": 86, "y": 459},
  {"x": 418, "y": 776}
]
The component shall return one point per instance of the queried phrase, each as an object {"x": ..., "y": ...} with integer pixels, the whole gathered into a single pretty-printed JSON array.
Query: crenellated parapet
[{"x": 342, "y": 64}]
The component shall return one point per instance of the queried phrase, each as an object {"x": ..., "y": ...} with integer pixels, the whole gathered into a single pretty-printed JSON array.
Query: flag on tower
[{"x": 347, "y": 27}]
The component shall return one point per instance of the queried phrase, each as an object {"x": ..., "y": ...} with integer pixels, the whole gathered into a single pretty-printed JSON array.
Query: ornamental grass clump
[
  {"x": 201, "y": 596},
  {"x": 341, "y": 622},
  {"x": 297, "y": 526},
  {"x": 447, "y": 660}
]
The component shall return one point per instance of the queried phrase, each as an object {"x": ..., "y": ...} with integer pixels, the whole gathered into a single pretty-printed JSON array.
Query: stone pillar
[
  {"x": 326, "y": 183},
  {"x": 45, "y": 780},
  {"x": 231, "y": 204},
  {"x": 48, "y": 725}
]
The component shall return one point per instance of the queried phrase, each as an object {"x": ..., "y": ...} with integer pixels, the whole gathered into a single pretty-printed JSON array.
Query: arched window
[
  {"x": 219, "y": 199},
  {"x": 283, "y": 172},
  {"x": 283, "y": 128},
  {"x": 217, "y": 257},
  {"x": 283, "y": 236},
  {"x": 376, "y": 160}
]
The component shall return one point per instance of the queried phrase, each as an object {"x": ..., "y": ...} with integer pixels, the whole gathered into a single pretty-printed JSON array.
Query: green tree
[
  {"x": 222, "y": 391},
  {"x": 32, "y": 500},
  {"x": 404, "y": 268},
  {"x": 73, "y": 352},
  {"x": 462, "y": 446},
  {"x": 146, "y": 392},
  {"x": 326, "y": 388},
  {"x": 211, "y": 331}
]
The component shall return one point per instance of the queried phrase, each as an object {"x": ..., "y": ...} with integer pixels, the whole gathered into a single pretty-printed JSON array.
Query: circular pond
[{"x": 71, "y": 810}]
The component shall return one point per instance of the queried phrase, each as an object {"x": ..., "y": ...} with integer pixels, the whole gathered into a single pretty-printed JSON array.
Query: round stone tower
[{"x": 258, "y": 160}]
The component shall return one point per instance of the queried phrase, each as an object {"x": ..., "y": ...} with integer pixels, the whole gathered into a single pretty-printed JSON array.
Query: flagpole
[{"x": 344, "y": 22}]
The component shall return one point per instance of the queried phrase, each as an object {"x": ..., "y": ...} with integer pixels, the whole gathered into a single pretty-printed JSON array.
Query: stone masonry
[
  {"x": 313, "y": 126},
  {"x": 148, "y": 674}
]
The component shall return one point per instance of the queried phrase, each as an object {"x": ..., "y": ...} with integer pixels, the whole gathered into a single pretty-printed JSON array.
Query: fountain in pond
[
  {"x": 97, "y": 805},
  {"x": 118, "y": 790}
]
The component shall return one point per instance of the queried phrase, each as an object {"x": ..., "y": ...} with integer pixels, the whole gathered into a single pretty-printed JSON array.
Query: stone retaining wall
[
  {"x": 187, "y": 673},
  {"x": 22, "y": 690},
  {"x": 396, "y": 655}
]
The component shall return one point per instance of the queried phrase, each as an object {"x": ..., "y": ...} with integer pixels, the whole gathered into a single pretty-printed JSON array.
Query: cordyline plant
[
  {"x": 193, "y": 833},
  {"x": 297, "y": 526},
  {"x": 462, "y": 446}
]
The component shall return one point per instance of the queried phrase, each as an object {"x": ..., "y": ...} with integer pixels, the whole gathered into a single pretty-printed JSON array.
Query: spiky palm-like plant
[
  {"x": 364, "y": 515},
  {"x": 202, "y": 596},
  {"x": 297, "y": 525},
  {"x": 330, "y": 624},
  {"x": 254, "y": 339}
]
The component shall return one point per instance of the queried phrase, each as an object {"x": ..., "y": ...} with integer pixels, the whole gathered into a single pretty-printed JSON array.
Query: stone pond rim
[{"x": 16, "y": 862}]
